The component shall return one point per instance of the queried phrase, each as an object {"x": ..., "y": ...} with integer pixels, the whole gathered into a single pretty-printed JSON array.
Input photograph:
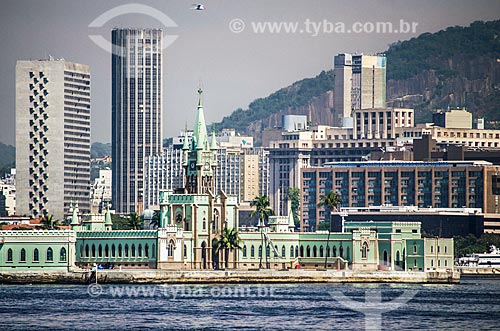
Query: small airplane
[{"x": 198, "y": 6}]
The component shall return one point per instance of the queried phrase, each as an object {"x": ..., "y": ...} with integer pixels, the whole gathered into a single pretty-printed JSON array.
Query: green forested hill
[{"x": 455, "y": 67}]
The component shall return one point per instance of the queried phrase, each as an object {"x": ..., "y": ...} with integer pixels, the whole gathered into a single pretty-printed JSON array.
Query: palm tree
[
  {"x": 49, "y": 223},
  {"x": 155, "y": 221},
  {"x": 228, "y": 240},
  {"x": 331, "y": 201},
  {"x": 135, "y": 221},
  {"x": 262, "y": 208}
]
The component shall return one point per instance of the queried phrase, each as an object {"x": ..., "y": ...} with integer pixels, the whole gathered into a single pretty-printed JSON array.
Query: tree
[
  {"x": 263, "y": 209},
  {"x": 49, "y": 223},
  {"x": 331, "y": 201},
  {"x": 120, "y": 222},
  {"x": 228, "y": 240},
  {"x": 294, "y": 197},
  {"x": 155, "y": 221},
  {"x": 134, "y": 221}
]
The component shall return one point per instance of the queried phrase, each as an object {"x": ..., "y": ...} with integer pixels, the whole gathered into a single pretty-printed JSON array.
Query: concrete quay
[{"x": 152, "y": 276}]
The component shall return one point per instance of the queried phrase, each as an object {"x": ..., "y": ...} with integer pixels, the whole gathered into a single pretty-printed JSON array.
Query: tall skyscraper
[
  {"x": 359, "y": 84},
  {"x": 136, "y": 111},
  {"x": 52, "y": 137}
]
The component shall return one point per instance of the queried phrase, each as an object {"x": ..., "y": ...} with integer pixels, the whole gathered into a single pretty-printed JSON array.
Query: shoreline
[{"x": 154, "y": 276}]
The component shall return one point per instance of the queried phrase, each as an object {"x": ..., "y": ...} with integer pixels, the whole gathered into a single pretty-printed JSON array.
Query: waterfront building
[
  {"x": 52, "y": 137},
  {"x": 450, "y": 184},
  {"x": 136, "y": 111}
]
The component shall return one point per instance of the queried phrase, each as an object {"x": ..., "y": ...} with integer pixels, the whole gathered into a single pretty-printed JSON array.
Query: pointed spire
[
  {"x": 107, "y": 219},
  {"x": 74, "y": 216},
  {"x": 214, "y": 141},
  {"x": 200, "y": 129}
]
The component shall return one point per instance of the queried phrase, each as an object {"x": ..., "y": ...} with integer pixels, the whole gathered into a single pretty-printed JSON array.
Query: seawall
[{"x": 151, "y": 276}]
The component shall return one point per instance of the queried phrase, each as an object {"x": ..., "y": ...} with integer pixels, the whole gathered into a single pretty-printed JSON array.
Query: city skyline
[{"x": 238, "y": 66}]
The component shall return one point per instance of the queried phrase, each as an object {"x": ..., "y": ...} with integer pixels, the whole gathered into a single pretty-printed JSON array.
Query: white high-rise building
[
  {"x": 52, "y": 137},
  {"x": 136, "y": 111},
  {"x": 359, "y": 83}
]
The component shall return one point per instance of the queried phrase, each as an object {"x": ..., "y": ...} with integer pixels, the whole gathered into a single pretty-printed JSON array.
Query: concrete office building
[
  {"x": 136, "y": 111},
  {"x": 453, "y": 119},
  {"x": 451, "y": 184},
  {"x": 359, "y": 83},
  {"x": 52, "y": 137}
]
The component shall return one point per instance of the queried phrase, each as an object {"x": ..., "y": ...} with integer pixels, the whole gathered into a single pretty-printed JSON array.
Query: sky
[{"x": 220, "y": 47}]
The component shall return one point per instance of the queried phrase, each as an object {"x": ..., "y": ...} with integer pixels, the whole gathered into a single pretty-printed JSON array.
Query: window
[
  {"x": 170, "y": 248},
  {"x": 185, "y": 251},
  {"x": 283, "y": 251},
  {"x": 126, "y": 250},
  {"x": 432, "y": 249},
  {"x": 9, "y": 255},
  {"x": 36, "y": 257},
  {"x": 62, "y": 255},
  {"x": 320, "y": 251},
  {"x": 120, "y": 250},
  {"x": 364, "y": 250},
  {"x": 133, "y": 250},
  {"x": 334, "y": 250},
  {"x": 113, "y": 250},
  {"x": 308, "y": 251},
  {"x": 245, "y": 251},
  {"x": 50, "y": 255},
  {"x": 99, "y": 251},
  {"x": 139, "y": 251},
  {"x": 93, "y": 250},
  {"x": 252, "y": 251},
  {"x": 414, "y": 249},
  {"x": 260, "y": 250},
  {"x": 23, "y": 255},
  {"x": 87, "y": 250}
]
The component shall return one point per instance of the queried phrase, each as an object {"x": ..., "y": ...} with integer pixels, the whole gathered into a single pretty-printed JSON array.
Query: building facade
[
  {"x": 359, "y": 83},
  {"x": 100, "y": 196},
  {"x": 136, "y": 111},
  {"x": 52, "y": 137},
  {"x": 451, "y": 184}
]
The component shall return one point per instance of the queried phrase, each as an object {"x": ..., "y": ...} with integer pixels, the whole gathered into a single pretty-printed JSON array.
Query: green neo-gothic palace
[{"x": 193, "y": 216}]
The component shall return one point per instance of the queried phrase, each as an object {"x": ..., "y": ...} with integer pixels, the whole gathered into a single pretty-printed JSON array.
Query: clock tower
[{"x": 200, "y": 157}]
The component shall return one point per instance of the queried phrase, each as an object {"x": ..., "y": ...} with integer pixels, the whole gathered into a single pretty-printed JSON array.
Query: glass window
[
  {"x": 62, "y": 255},
  {"x": 50, "y": 254}
]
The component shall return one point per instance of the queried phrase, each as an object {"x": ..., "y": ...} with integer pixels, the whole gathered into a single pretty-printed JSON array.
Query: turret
[
  {"x": 108, "y": 224},
  {"x": 74, "y": 216}
]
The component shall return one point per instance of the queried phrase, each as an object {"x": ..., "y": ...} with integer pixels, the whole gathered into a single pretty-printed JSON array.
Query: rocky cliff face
[{"x": 471, "y": 83}]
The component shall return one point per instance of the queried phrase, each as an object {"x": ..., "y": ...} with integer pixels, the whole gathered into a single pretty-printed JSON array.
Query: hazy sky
[{"x": 235, "y": 68}]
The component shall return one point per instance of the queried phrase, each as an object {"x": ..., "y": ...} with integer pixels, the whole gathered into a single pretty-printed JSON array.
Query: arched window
[
  {"x": 50, "y": 255},
  {"x": 327, "y": 251},
  {"x": 260, "y": 250},
  {"x": 204, "y": 224},
  {"x": 347, "y": 254},
  {"x": 385, "y": 257},
  {"x": 170, "y": 248},
  {"x": 9, "y": 255},
  {"x": 132, "y": 250},
  {"x": 23, "y": 255},
  {"x": 296, "y": 251},
  {"x": 315, "y": 251},
  {"x": 113, "y": 250},
  {"x": 291, "y": 251},
  {"x": 245, "y": 251},
  {"x": 308, "y": 251},
  {"x": 87, "y": 250},
  {"x": 414, "y": 249},
  {"x": 99, "y": 251},
  {"x": 364, "y": 250},
  {"x": 341, "y": 251},
  {"x": 139, "y": 251},
  {"x": 301, "y": 251},
  {"x": 268, "y": 250},
  {"x": 81, "y": 250},
  {"x": 334, "y": 250},
  {"x": 126, "y": 250},
  {"x": 146, "y": 250},
  {"x": 36, "y": 256},
  {"x": 185, "y": 251},
  {"x": 252, "y": 251},
  {"x": 62, "y": 255},
  {"x": 120, "y": 251},
  {"x": 106, "y": 251},
  {"x": 321, "y": 251},
  {"x": 93, "y": 250},
  {"x": 432, "y": 249},
  {"x": 397, "y": 258},
  {"x": 283, "y": 251}
]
